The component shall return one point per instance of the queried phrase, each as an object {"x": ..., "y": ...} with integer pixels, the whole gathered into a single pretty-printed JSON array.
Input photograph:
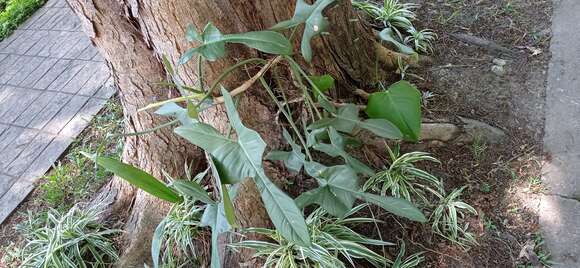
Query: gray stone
[
  {"x": 476, "y": 129},
  {"x": 499, "y": 62},
  {"x": 439, "y": 131},
  {"x": 79, "y": 80},
  {"x": 82, "y": 118},
  {"x": 29, "y": 65},
  {"x": 99, "y": 77},
  {"x": 33, "y": 110},
  {"x": 38, "y": 73},
  {"x": 19, "y": 105},
  {"x": 6, "y": 182},
  {"x": 67, "y": 75},
  {"x": 498, "y": 70},
  {"x": 29, "y": 154},
  {"x": 8, "y": 136},
  {"x": 18, "y": 145}
]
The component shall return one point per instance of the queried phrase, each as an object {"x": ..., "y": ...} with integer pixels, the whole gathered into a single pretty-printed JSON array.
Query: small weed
[
  {"x": 73, "y": 239},
  {"x": 478, "y": 148},
  {"x": 448, "y": 219},
  {"x": 485, "y": 187},
  {"x": 543, "y": 256},
  {"x": 409, "y": 262},
  {"x": 74, "y": 177},
  {"x": 488, "y": 224},
  {"x": 403, "y": 179}
]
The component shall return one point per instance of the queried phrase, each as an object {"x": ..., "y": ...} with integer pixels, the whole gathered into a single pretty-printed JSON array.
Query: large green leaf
[
  {"x": 323, "y": 82},
  {"x": 388, "y": 35},
  {"x": 138, "y": 178},
  {"x": 347, "y": 120},
  {"x": 401, "y": 105},
  {"x": 193, "y": 190},
  {"x": 337, "y": 148},
  {"x": 332, "y": 199},
  {"x": 243, "y": 158},
  {"x": 315, "y": 22},
  {"x": 212, "y": 45},
  {"x": 214, "y": 217},
  {"x": 338, "y": 188},
  {"x": 293, "y": 159}
]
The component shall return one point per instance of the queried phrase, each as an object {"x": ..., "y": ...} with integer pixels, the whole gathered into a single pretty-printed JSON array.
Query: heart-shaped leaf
[
  {"x": 401, "y": 105},
  {"x": 239, "y": 159},
  {"x": 315, "y": 23}
]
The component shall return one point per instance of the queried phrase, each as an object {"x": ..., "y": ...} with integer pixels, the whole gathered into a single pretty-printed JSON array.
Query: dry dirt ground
[{"x": 501, "y": 178}]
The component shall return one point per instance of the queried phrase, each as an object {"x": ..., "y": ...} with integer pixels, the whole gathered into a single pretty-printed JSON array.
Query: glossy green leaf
[
  {"x": 401, "y": 105},
  {"x": 397, "y": 206},
  {"x": 345, "y": 120},
  {"x": 156, "y": 242},
  {"x": 240, "y": 159},
  {"x": 213, "y": 42},
  {"x": 382, "y": 128},
  {"x": 293, "y": 159},
  {"x": 330, "y": 195},
  {"x": 138, "y": 178},
  {"x": 315, "y": 23},
  {"x": 337, "y": 148},
  {"x": 339, "y": 187},
  {"x": 388, "y": 36},
  {"x": 265, "y": 41},
  {"x": 323, "y": 82},
  {"x": 193, "y": 190},
  {"x": 214, "y": 217},
  {"x": 191, "y": 34}
]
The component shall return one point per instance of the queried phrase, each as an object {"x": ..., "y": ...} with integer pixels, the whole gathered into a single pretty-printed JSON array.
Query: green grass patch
[
  {"x": 74, "y": 178},
  {"x": 14, "y": 12}
]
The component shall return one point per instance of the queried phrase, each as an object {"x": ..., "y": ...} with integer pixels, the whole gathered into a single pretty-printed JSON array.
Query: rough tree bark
[{"x": 132, "y": 35}]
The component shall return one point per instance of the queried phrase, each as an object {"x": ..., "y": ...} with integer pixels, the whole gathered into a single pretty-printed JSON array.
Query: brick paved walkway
[{"x": 52, "y": 82}]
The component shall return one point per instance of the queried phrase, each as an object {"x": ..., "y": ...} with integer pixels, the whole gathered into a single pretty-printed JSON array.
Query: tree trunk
[{"x": 132, "y": 35}]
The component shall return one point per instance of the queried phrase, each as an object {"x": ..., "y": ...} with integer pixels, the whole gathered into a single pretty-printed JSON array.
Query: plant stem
[{"x": 287, "y": 115}]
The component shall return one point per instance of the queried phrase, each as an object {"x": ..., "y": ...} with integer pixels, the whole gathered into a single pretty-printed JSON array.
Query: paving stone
[
  {"x": 89, "y": 53},
  {"x": 25, "y": 183},
  {"x": 29, "y": 154},
  {"x": 46, "y": 42},
  {"x": 99, "y": 77},
  {"x": 24, "y": 42},
  {"x": 3, "y": 128},
  {"x": 5, "y": 92},
  {"x": 33, "y": 110},
  {"x": 42, "y": 118},
  {"x": 6, "y": 182},
  {"x": 2, "y": 57},
  {"x": 82, "y": 118},
  {"x": 10, "y": 67},
  {"x": 30, "y": 64},
  {"x": 65, "y": 114},
  {"x": 47, "y": 16},
  {"x": 38, "y": 73},
  {"x": 11, "y": 104},
  {"x": 107, "y": 90},
  {"x": 59, "y": 46},
  {"x": 37, "y": 15},
  {"x": 56, "y": 70},
  {"x": 9, "y": 135},
  {"x": 67, "y": 75},
  {"x": 18, "y": 105},
  {"x": 74, "y": 52},
  {"x": 18, "y": 145},
  {"x": 77, "y": 82}
]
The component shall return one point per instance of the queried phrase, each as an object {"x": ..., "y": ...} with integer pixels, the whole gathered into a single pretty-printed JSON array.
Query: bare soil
[{"x": 502, "y": 181}]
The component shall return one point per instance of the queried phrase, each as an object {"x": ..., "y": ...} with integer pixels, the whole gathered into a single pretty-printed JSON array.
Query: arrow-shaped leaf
[
  {"x": 315, "y": 22},
  {"x": 243, "y": 158},
  {"x": 138, "y": 178}
]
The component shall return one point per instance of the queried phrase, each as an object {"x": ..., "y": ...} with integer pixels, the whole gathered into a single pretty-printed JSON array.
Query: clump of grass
[
  {"x": 409, "y": 262},
  {"x": 73, "y": 239},
  {"x": 176, "y": 234},
  {"x": 75, "y": 177},
  {"x": 421, "y": 40},
  {"x": 448, "y": 218},
  {"x": 14, "y": 13},
  {"x": 332, "y": 242},
  {"x": 399, "y": 17},
  {"x": 403, "y": 179}
]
